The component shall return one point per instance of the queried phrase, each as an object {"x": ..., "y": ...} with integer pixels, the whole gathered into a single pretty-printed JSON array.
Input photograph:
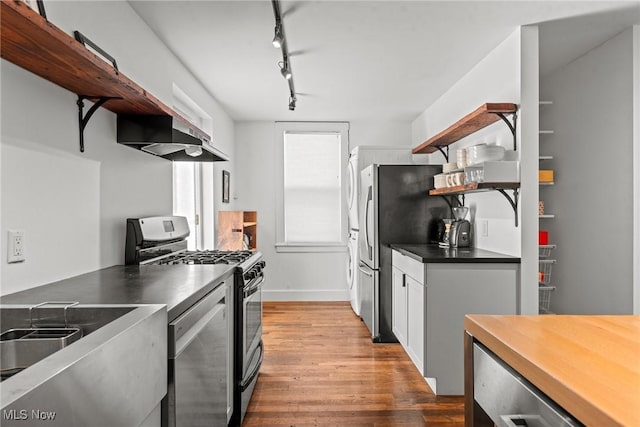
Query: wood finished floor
[{"x": 321, "y": 368}]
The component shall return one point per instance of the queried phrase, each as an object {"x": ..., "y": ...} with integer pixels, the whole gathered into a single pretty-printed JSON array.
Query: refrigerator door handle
[
  {"x": 366, "y": 224},
  {"x": 365, "y": 271}
]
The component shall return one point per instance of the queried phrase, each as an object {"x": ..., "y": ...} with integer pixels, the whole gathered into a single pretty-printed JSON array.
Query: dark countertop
[
  {"x": 434, "y": 253},
  {"x": 177, "y": 286}
]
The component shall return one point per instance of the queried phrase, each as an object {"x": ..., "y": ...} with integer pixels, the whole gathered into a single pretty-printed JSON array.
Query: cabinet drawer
[{"x": 409, "y": 266}]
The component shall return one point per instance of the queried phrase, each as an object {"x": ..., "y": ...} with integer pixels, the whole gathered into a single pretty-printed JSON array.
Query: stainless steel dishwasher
[
  {"x": 509, "y": 400},
  {"x": 199, "y": 362}
]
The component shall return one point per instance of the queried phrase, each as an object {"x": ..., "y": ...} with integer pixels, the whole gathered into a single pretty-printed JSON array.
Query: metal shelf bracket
[
  {"x": 512, "y": 201},
  {"x": 459, "y": 198},
  {"x": 83, "y": 119},
  {"x": 512, "y": 126},
  {"x": 446, "y": 155}
]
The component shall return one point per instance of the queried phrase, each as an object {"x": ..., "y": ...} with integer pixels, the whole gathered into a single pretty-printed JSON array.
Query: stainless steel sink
[
  {"x": 20, "y": 348},
  {"x": 30, "y": 334},
  {"x": 106, "y": 365}
]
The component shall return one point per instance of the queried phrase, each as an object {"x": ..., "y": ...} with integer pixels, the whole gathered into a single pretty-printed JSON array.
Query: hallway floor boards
[{"x": 321, "y": 368}]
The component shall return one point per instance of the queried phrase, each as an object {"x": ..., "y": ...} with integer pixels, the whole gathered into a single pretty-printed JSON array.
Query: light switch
[{"x": 484, "y": 228}]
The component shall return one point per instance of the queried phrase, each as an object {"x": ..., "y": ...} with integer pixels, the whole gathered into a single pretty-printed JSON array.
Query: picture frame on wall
[
  {"x": 225, "y": 186},
  {"x": 38, "y": 6}
]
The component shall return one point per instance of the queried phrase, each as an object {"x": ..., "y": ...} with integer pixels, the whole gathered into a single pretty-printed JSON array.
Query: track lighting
[
  {"x": 277, "y": 38},
  {"x": 280, "y": 41}
]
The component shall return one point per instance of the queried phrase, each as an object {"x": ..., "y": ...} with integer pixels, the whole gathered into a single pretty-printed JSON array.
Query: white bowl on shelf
[
  {"x": 486, "y": 153},
  {"x": 448, "y": 167}
]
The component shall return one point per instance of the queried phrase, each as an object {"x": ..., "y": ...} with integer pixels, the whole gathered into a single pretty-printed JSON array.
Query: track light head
[
  {"x": 277, "y": 38},
  {"x": 285, "y": 70},
  {"x": 292, "y": 103}
]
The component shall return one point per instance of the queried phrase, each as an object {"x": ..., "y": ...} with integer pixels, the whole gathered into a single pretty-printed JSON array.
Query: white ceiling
[{"x": 363, "y": 60}]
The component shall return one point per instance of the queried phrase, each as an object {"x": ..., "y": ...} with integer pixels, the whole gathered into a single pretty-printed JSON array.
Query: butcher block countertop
[{"x": 589, "y": 365}]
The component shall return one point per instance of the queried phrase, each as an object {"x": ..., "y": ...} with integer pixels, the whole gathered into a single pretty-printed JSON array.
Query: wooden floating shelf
[
  {"x": 545, "y": 132},
  {"x": 547, "y": 216},
  {"x": 482, "y": 117},
  {"x": 545, "y": 158},
  {"x": 249, "y": 224},
  {"x": 38, "y": 46},
  {"x": 546, "y": 102},
  {"x": 475, "y": 187}
]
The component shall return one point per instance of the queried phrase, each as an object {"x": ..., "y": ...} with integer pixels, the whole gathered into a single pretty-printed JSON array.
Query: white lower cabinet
[
  {"x": 408, "y": 307},
  {"x": 415, "y": 322},
  {"x": 399, "y": 295},
  {"x": 430, "y": 301}
]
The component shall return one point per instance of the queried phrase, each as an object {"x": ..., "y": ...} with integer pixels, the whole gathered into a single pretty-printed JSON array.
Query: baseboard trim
[{"x": 305, "y": 295}]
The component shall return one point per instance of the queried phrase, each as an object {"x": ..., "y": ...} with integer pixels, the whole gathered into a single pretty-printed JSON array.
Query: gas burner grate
[{"x": 207, "y": 257}]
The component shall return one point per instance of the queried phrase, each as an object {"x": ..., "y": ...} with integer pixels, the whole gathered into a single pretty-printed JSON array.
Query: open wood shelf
[
  {"x": 475, "y": 187},
  {"x": 38, "y": 46},
  {"x": 482, "y": 117},
  {"x": 233, "y": 226}
]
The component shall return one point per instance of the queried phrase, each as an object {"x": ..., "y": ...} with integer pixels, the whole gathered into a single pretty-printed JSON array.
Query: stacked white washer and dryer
[{"x": 359, "y": 158}]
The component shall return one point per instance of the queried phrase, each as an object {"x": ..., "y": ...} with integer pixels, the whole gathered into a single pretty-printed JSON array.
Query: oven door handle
[
  {"x": 254, "y": 287},
  {"x": 244, "y": 385}
]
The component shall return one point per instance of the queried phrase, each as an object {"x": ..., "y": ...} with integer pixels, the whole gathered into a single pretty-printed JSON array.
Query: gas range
[{"x": 162, "y": 241}]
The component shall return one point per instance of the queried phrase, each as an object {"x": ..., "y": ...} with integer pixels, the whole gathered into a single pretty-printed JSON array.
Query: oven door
[
  {"x": 252, "y": 347},
  {"x": 252, "y": 322}
]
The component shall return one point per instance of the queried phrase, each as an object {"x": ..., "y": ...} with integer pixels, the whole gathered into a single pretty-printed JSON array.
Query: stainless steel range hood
[{"x": 167, "y": 137}]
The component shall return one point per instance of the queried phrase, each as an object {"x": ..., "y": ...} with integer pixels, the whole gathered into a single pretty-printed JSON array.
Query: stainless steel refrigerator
[{"x": 394, "y": 208}]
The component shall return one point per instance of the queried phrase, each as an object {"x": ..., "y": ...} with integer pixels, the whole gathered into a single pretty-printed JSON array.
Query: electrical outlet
[
  {"x": 484, "y": 228},
  {"x": 15, "y": 247}
]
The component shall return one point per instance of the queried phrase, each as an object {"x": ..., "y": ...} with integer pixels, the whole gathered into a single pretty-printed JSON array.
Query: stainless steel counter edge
[
  {"x": 117, "y": 374},
  {"x": 176, "y": 286},
  {"x": 434, "y": 254}
]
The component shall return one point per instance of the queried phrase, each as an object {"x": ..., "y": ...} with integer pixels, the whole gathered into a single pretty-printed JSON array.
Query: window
[
  {"x": 312, "y": 211},
  {"x": 192, "y": 182}
]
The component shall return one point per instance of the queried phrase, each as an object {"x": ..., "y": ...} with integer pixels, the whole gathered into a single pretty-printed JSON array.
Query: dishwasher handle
[
  {"x": 183, "y": 329},
  {"x": 188, "y": 336},
  {"x": 519, "y": 420}
]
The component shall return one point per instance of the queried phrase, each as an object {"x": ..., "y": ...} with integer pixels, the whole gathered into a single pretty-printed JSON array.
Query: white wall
[
  {"x": 508, "y": 74},
  {"x": 313, "y": 276},
  {"x": 636, "y": 169},
  {"x": 592, "y": 116},
  {"x": 71, "y": 205}
]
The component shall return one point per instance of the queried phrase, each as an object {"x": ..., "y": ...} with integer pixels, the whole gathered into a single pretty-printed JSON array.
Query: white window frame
[
  {"x": 310, "y": 127},
  {"x": 201, "y": 218}
]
